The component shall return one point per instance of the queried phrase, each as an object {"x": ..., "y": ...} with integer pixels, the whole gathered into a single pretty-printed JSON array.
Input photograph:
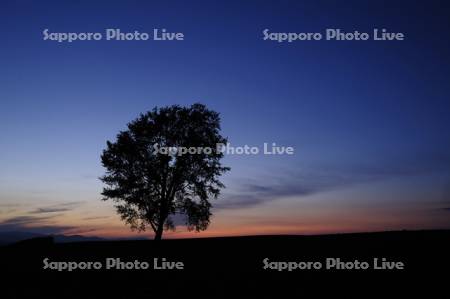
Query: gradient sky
[{"x": 369, "y": 120}]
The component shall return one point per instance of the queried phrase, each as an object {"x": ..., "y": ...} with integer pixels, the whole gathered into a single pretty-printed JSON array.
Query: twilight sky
[{"x": 369, "y": 120}]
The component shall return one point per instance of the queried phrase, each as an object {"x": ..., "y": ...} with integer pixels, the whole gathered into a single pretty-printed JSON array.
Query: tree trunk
[{"x": 159, "y": 232}]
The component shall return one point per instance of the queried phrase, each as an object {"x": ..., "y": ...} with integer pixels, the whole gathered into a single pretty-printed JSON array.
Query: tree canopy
[{"x": 151, "y": 188}]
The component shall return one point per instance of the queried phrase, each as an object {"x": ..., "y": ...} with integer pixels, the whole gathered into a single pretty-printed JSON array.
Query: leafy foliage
[{"x": 151, "y": 187}]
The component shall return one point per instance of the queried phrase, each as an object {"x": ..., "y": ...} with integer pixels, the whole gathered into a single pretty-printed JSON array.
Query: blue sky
[{"x": 368, "y": 119}]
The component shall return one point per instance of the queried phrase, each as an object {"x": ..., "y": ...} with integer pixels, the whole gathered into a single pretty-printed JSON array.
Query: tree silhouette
[{"x": 150, "y": 186}]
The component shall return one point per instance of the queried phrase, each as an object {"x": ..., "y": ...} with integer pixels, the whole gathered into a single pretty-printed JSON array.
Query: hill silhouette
[{"x": 11, "y": 237}]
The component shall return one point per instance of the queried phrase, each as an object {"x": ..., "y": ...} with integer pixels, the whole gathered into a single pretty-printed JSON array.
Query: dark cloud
[
  {"x": 44, "y": 229},
  {"x": 25, "y": 220},
  {"x": 33, "y": 224},
  {"x": 61, "y": 207},
  {"x": 253, "y": 195},
  {"x": 299, "y": 184},
  {"x": 237, "y": 201},
  {"x": 39, "y": 220},
  {"x": 323, "y": 179},
  {"x": 49, "y": 210}
]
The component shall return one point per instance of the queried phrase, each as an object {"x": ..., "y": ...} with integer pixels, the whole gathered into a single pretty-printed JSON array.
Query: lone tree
[{"x": 150, "y": 176}]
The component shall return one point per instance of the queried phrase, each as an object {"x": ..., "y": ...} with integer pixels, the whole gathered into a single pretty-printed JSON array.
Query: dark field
[{"x": 218, "y": 265}]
